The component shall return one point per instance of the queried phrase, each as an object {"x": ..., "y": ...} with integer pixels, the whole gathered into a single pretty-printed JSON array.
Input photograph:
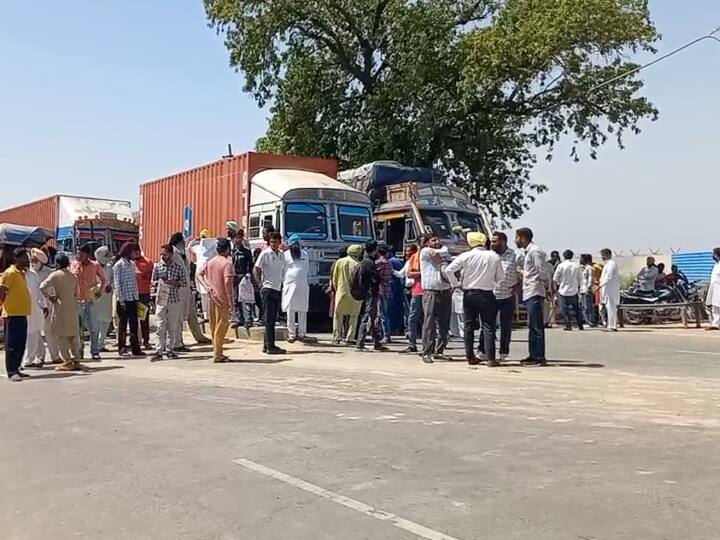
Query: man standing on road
[
  {"x": 415, "y": 309},
  {"x": 243, "y": 264},
  {"x": 16, "y": 308},
  {"x": 168, "y": 279},
  {"x": 187, "y": 298},
  {"x": 36, "y": 321},
  {"x": 535, "y": 285},
  {"x": 480, "y": 273},
  {"x": 610, "y": 289},
  {"x": 296, "y": 290},
  {"x": 127, "y": 297},
  {"x": 345, "y": 304},
  {"x": 218, "y": 277},
  {"x": 385, "y": 273},
  {"x": 505, "y": 291},
  {"x": 143, "y": 273},
  {"x": 370, "y": 285},
  {"x": 587, "y": 295},
  {"x": 103, "y": 304},
  {"x": 270, "y": 271},
  {"x": 568, "y": 278},
  {"x": 648, "y": 276},
  {"x": 436, "y": 300},
  {"x": 713, "y": 294},
  {"x": 61, "y": 288},
  {"x": 91, "y": 283}
]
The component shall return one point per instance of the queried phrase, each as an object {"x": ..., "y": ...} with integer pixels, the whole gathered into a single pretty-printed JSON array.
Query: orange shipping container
[
  {"x": 41, "y": 213},
  {"x": 217, "y": 193}
]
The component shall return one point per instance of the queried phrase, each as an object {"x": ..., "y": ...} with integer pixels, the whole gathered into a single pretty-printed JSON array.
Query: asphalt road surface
[{"x": 618, "y": 439}]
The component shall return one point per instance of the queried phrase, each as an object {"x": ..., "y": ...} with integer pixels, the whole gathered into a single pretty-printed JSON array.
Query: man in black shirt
[
  {"x": 243, "y": 263},
  {"x": 370, "y": 285}
]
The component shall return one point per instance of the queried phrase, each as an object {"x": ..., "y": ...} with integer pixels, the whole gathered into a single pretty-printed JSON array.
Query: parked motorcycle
[{"x": 681, "y": 292}]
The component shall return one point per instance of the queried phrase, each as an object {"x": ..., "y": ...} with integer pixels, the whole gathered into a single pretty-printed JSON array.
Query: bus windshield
[
  {"x": 306, "y": 220},
  {"x": 355, "y": 223}
]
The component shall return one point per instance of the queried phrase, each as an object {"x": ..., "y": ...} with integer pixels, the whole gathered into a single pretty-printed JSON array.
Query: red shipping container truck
[
  {"x": 217, "y": 193},
  {"x": 296, "y": 195},
  {"x": 77, "y": 220}
]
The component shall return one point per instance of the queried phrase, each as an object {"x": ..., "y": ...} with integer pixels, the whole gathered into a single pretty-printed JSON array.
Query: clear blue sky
[{"x": 97, "y": 97}]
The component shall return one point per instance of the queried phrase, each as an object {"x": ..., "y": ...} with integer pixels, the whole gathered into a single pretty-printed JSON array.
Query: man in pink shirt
[
  {"x": 218, "y": 278},
  {"x": 91, "y": 283}
]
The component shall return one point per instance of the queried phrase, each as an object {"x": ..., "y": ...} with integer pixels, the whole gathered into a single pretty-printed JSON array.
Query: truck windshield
[
  {"x": 306, "y": 220},
  {"x": 355, "y": 223},
  {"x": 470, "y": 221},
  {"x": 438, "y": 221}
]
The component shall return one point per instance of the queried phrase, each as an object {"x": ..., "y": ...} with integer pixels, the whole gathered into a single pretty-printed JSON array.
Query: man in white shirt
[
  {"x": 610, "y": 289},
  {"x": 480, "y": 272},
  {"x": 535, "y": 284},
  {"x": 436, "y": 299},
  {"x": 648, "y": 276},
  {"x": 269, "y": 272},
  {"x": 568, "y": 278}
]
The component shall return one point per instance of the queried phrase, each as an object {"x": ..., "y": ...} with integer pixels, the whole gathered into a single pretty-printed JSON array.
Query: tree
[{"x": 478, "y": 88}]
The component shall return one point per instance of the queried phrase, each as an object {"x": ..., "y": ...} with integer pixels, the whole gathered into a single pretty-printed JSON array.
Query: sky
[{"x": 99, "y": 96}]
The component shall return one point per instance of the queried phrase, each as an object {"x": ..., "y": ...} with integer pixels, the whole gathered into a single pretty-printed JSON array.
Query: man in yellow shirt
[{"x": 16, "y": 308}]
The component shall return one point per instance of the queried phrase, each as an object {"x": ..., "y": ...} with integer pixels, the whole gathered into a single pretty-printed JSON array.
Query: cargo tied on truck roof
[
  {"x": 75, "y": 221},
  {"x": 411, "y": 201}
]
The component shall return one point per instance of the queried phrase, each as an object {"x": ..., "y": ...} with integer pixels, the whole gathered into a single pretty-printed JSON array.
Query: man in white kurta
[
  {"x": 610, "y": 289},
  {"x": 35, "y": 349},
  {"x": 104, "y": 303},
  {"x": 296, "y": 291},
  {"x": 713, "y": 294}
]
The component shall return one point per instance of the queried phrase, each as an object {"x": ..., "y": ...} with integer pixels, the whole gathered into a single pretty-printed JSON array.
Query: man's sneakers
[
  {"x": 530, "y": 362},
  {"x": 172, "y": 355},
  {"x": 410, "y": 350},
  {"x": 15, "y": 377},
  {"x": 428, "y": 359},
  {"x": 274, "y": 350},
  {"x": 96, "y": 357}
]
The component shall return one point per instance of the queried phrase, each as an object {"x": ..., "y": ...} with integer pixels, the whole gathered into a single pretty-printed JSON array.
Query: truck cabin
[
  {"x": 102, "y": 231},
  {"x": 326, "y": 214},
  {"x": 409, "y": 210}
]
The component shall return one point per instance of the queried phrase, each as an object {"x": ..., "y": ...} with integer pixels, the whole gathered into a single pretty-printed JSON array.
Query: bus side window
[{"x": 254, "y": 227}]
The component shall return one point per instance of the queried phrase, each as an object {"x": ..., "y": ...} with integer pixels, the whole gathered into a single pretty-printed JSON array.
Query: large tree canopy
[{"x": 478, "y": 88}]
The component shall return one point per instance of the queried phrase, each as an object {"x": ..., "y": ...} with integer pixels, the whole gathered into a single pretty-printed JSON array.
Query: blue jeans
[
  {"x": 89, "y": 320},
  {"x": 570, "y": 305},
  {"x": 536, "y": 327},
  {"x": 415, "y": 318},
  {"x": 588, "y": 303}
]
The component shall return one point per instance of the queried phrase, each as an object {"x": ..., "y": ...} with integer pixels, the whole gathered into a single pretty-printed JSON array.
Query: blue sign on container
[{"x": 187, "y": 221}]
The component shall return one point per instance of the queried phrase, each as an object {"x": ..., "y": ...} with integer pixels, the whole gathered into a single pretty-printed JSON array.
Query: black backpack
[{"x": 356, "y": 288}]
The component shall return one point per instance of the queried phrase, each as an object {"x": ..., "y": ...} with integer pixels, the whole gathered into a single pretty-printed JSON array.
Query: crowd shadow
[{"x": 257, "y": 360}]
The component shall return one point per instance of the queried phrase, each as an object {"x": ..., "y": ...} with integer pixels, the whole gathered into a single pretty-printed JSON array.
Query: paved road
[{"x": 618, "y": 440}]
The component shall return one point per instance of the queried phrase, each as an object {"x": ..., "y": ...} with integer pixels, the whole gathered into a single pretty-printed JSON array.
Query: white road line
[
  {"x": 699, "y": 352},
  {"x": 382, "y": 515}
]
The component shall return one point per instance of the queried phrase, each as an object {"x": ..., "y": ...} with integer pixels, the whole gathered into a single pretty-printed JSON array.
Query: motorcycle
[{"x": 680, "y": 292}]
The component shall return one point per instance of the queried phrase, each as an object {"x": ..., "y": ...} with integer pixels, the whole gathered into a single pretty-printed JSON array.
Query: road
[{"x": 618, "y": 439}]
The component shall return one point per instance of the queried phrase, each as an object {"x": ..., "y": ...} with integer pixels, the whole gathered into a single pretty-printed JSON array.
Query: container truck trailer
[
  {"x": 294, "y": 194},
  {"x": 75, "y": 221}
]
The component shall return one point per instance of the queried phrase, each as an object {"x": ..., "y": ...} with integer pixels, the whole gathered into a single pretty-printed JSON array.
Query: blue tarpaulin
[
  {"x": 380, "y": 174},
  {"x": 20, "y": 235}
]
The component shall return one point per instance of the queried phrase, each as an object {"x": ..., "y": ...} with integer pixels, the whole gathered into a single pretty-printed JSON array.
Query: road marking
[
  {"x": 699, "y": 352},
  {"x": 401, "y": 523}
]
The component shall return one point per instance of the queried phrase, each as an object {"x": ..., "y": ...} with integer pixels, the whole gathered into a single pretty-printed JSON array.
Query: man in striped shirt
[{"x": 127, "y": 296}]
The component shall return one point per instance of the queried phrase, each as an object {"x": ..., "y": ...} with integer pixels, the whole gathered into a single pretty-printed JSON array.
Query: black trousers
[
  {"x": 15, "y": 342},
  {"x": 570, "y": 304},
  {"x": 145, "y": 325},
  {"x": 127, "y": 316},
  {"x": 369, "y": 321},
  {"x": 271, "y": 301},
  {"x": 480, "y": 303}
]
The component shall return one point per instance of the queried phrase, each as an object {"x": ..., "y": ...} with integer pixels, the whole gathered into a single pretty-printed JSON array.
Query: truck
[
  {"x": 411, "y": 201},
  {"x": 78, "y": 220},
  {"x": 293, "y": 194}
]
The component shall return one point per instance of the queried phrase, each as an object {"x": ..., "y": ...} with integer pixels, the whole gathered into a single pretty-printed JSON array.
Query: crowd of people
[{"x": 49, "y": 302}]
